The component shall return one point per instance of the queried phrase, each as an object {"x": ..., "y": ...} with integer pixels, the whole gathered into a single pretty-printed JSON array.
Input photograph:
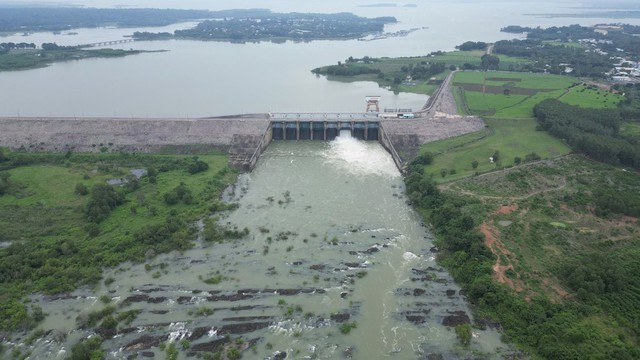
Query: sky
[{"x": 217, "y": 4}]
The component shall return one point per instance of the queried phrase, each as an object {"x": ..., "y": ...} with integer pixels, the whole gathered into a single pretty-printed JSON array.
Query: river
[
  {"x": 195, "y": 79},
  {"x": 332, "y": 242}
]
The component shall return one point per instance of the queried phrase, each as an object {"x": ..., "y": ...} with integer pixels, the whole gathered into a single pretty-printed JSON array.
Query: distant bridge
[{"x": 104, "y": 43}]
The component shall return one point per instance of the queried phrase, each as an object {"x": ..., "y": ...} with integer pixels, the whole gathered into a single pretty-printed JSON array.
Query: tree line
[{"x": 594, "y": 132}]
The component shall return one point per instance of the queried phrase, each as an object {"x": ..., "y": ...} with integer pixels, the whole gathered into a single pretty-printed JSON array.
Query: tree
[
  {"x": 81, "y": 189},
  {"x": 3, "y": 157},
  {"x": 490, "y": 62},
  {"x": 197, "y": 166},
  {"x": 517, "y": 160},
  {"x": 104, "y": 198},
  {"x": 496, "y": 156},
  {"x": 453, "y": 68},
  {"x": 4, "y": 182},
  {"x": 474, "y": 164},
  {"x": 444, "y": 172}
]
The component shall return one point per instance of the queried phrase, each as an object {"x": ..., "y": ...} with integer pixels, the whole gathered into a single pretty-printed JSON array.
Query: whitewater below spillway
[{"x": 336, "y": 265}]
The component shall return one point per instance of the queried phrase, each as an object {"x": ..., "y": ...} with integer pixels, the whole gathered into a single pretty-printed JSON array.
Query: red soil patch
[
  {"x": 506, "y": 210},
  {"x": 492, "y": 241}
]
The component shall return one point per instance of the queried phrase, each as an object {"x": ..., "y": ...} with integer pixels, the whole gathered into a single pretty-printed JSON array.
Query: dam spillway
[{"x": 323, "y": 130}]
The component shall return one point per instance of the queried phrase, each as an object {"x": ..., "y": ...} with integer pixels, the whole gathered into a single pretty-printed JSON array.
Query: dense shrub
[{"x": 104, "y": 198}]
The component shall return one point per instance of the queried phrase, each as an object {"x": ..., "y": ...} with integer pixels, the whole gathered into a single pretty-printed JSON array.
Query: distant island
[
  {"x": 26, "y": 56},
  {"x": 30, "y": 19},
  {"x": 618, "y": 14},
  {"x": 386, "y": 5},
  {"x": 264, "y": 25}
]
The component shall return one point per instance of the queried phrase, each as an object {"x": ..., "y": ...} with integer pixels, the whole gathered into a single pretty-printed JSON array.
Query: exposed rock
[
  {"x": 372, "y": 250},
  {"x": 348, "y": 353},
  {"x": 416, "y": 319},
  {"x": 280, "y": 355},
  {"x": 156, "y": 300},
  {"x": 211, "y": 346},
  {"x": 148, "y": 354},
  {"x": 451, "y": 292},
  {"x": 456, "y": 318},
  {"x": 184, "y": 300},
  {"x": 199, "y": 332},
  {"x": 232, "y": 297},
  {"x": 145, "y": 342},
  {"x": 435, "y": 357},
  {"x": 248, "y": 318},
  {"x": 419, "y": 292},
  {"x": 339, "y": 318},
  {"x": 243, "y": 328},
  {"x": 136, "y": 298},
  {"x": 318, "y": 267}
]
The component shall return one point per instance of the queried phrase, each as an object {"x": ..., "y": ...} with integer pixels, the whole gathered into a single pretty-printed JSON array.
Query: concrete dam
[{"x": 244, "y": 137}]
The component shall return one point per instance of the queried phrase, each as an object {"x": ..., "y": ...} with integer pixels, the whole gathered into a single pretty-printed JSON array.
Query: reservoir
[
  {"x": 332, "y": 245},
  {"x": 199, "y": 79}
]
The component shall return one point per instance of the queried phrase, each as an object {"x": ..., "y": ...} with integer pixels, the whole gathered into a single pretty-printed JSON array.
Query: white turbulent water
[
  {"x": 321, "y": 226},
  {"x": 357, "y": 158}
]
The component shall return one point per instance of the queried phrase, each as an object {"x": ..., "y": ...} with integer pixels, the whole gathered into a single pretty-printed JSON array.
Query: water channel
[{"x": 332, "y": 242}]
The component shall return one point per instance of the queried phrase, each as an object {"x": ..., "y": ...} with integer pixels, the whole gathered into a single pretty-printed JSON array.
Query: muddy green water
[{"x": 332, "y": 241}]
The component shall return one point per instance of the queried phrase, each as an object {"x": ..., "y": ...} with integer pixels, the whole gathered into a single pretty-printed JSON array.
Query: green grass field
[
  {"x": 513, "y": 95},
  {"x": 630, "y": 128},
  {"x": 591, "y": 98},
  {"x": 511, "y": 137}
]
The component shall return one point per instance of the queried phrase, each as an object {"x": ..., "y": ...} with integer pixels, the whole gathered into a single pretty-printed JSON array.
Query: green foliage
[
  {"x": 104, "y": 198},
  {"x": 4, "y": 182},
  {"x": 81, "y": 189},
  {"x": 463, "y": 333},
  {"x": 88, "y": 349},
  {"x": 559, "y": 330},
  {"x": 54, "y": 255},
  {"x": 472, "y": 45},
  {"x": 197, "y": 166},
  {"x": 346, "y": 327},
  {"x": 15, "y": 315},
  {"x": 171, "y": 351},
  {"x": 594, "y": 132},
  {"x": 179, "y": 193},
  {"x": 490, "y": 62},
  {"x": 346, "y": 70},
  {"x": 608, "y": 201}
]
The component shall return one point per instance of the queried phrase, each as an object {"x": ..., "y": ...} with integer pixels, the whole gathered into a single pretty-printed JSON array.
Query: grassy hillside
[
  {"x": 546, "y": 250},
  {"x": 510, "y": 137}
]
